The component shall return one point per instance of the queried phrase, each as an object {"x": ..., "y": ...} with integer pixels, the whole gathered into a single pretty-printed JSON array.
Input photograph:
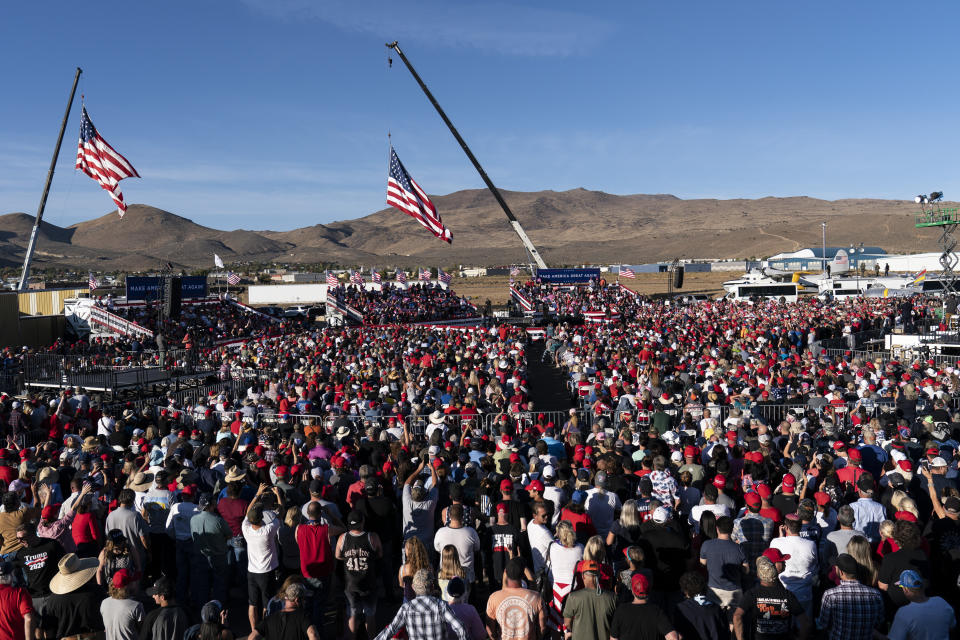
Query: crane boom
[{"x": 524, "y": 238}]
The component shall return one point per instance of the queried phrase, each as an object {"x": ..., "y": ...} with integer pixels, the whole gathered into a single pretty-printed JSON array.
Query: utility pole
[
  {"x": 25, "y": 275},
  {"x": 531, "y": 250}
]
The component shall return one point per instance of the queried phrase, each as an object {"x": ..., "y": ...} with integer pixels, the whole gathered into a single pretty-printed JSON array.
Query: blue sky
[{"x": 274, "y": 114}]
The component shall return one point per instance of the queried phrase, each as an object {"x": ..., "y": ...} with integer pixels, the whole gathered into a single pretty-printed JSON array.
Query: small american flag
[
  {"x": 332, "y": 279},
  {"x": 92, "y": 282},
  {"x": 424, "y": 275},
  {"x": 101, "y": 162},
  {"x": 405, "y": 194},
  {"x": 515, "y": 271},
  {"x": 443, "y": 276},
  {"x": 401, "y": 277},
  {"x": 627, "y": 272},
  {"x": 233, "y": 279},
  {"x": 375, "y": 276},
  {"x": 356, "y": 278}
]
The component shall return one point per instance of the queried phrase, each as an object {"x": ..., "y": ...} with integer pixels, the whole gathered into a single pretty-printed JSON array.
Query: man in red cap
[
  {"x": 786, "y": 500},
  {"x": 752, "y": 531},
  {"x": 504, "y": 542},
  {"x": 850, "y": 474},
  {"x": 634, "y": 620},
  {"x": 767, "y": 510},
  {"x": 690, "y": 464}
]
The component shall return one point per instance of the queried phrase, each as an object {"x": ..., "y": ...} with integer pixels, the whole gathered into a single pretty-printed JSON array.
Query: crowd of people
[
  {"x": 416, "y": 302},
  {"x": 678, "y": 509}
]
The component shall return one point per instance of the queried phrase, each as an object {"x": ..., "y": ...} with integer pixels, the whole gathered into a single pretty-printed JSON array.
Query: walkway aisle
[{"x": 548, "y": 387}]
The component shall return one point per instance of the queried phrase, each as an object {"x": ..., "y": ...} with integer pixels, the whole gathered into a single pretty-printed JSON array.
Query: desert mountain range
[{"x": 568, "y": 227}]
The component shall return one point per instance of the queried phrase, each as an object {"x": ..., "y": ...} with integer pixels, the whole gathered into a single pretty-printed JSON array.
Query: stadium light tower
[{"x": 823, "y": 231}]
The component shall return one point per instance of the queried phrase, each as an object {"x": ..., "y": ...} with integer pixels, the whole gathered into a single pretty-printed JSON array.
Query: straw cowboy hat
[
  {"x": 436, "y": 417},
  {"x": 90, "y": 444},
  {"x": 141, "y": 482},
  {"x": 236, "y": 474},
  {"x": 74, "y": 572},
  {"x": 48, "y": 475},
  {"x": 343, "y": 432}
]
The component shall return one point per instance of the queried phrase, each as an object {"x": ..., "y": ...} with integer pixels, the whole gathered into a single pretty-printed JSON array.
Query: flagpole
[{"x": 25, "y": 275}]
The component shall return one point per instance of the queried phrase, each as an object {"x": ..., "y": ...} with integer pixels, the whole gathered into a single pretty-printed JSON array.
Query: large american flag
[
  {"x": 424, "y": 275},
  {"x": 332, "y": 279},
  {"x": 514, "y": 271},
  {"x": 356, "y": 278},
  {"x": 443, "y": 276},
  {"x": 405, "y": 194},
  {"x": 101, "y": 162},
  {"x": 233, "y": 279},
  {"x": 401, "y": 276},
  {"x": 92, "y": 282},
  {"x": 375, "y": 276},
  {"x": 627, "y": 272}
]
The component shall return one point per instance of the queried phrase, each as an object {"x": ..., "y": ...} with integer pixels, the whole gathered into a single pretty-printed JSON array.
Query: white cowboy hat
[
  {"x": 436, "y": 417},
  {"x": 236, "y": 474},
  {"x": 74, "y": 572},
  {"x": 343, "y": 432}
]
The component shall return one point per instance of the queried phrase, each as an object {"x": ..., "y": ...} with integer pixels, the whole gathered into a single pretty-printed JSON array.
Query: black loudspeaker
[
  {"x": 678, "y": 278},
  {"x": 166, "y": 289},
  {"x": 175, "y": 297}
]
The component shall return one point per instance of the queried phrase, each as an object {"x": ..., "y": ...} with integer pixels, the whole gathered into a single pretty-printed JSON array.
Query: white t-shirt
[
  {"x": 697, "y": 512},
  {"x": 262, "y": 554},
  {"x": 602, "y": 509},
  {"x": 563, "y": 562},
  {"x": 540, "y": 539},
  {"x": 465, "y": 539},
  {"x": 801, "y": 568}
]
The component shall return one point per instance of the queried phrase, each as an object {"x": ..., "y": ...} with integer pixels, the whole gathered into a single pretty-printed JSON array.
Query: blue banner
[
  {"x": 568, "y": 275},
  {"x": 148, "y": 287}
]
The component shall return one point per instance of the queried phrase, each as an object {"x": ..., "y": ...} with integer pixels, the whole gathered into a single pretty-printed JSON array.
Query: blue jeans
[
  {"x": 209, "y": 578},
  {"x": 237, "y": 560}
]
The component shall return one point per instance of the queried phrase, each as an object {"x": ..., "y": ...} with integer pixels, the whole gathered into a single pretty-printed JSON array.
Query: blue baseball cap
[
  {"x": 579, "y": 497},
  {"x": 910, "y": 579}
]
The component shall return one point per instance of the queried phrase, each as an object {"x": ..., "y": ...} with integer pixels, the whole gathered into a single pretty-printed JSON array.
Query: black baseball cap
[
  {"x": 162, "y": 587},
  {"x": 355, "y": 518},
  {"x": 846, "y": 563}
]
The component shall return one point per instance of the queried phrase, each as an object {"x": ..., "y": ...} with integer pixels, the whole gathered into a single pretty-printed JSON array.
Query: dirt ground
[{"x": 497, "y": 288}]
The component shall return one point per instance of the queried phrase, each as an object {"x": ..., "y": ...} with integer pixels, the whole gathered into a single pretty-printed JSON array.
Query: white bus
[{"x": 785, "y": 290}]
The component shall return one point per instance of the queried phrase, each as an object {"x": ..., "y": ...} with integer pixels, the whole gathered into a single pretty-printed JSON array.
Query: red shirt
[
  {"x": 233, "y": 510},
  {"x": 85, "y": 528},
  {"x": 15, "y": 605},
  {"x": 582, "y": 523}
]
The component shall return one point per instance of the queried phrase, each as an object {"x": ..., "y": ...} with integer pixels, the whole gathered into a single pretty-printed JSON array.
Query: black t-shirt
[
  {"x": 667, "y": 552},
  {"x": 896, "y": 563},
  {"x": 701, "y": 619},
  {"x": 39, "y": 564},
  {"x": 285, "y": 625},
  {"x": 945, "y": 538},
  {"x": 769, "y": 611},
  {"x": 639, "y": 622},
  {"x": 786, "y": 504},
  {"x": 504, "y": 539},
  {"x": 75, "y": 612},
  {"x": 381, "y": 516},
  {"x": 165, "y": 622}
]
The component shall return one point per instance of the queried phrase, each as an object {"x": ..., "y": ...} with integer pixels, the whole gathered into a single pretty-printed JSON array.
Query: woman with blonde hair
[
  {"x": 595, "y": 550},
  {"x": 867, "y": 567},
  {"x": 450, "y": 568},
  {"x": 562, "y": 560},
  {"x": 416, "y": 558}
]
